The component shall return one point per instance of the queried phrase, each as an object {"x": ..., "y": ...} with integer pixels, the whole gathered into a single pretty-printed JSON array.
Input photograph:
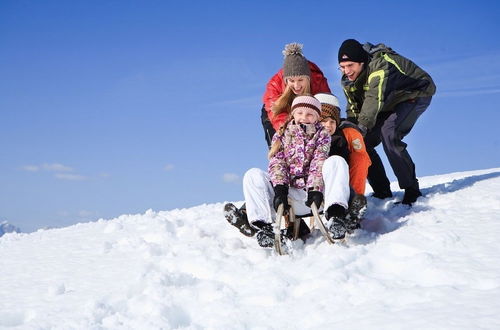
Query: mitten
[
  {"x": 280, "y": 196},
  {"x": 315, "y": 197}
]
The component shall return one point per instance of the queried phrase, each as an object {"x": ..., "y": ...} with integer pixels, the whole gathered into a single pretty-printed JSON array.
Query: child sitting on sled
[
  {"x": 347, "y": 142},
  {"x": 298, "y": 169}
]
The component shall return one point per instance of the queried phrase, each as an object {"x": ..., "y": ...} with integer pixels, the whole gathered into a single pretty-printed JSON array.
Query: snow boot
[
  {"x": 383, "y": 194},
  {"x": 411, "y": 195},
  {"x": 356, "y": 212},
  {"x": 238, "y": 218},
  {"x": 336, "y": 214},
  {"x": 303, "y": 231},
  {"x": 265, "y": 233}
]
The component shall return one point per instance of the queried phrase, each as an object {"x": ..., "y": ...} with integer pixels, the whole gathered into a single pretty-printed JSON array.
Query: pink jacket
[{"x": 299, "y": 161}]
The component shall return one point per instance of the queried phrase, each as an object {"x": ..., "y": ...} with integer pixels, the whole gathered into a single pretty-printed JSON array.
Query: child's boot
[
  {"x": 265, "y": 233},
  {"x": 303, "y": 231},
  {"x": 238, "y": 218},
  {"x": 336, "y": 213},
  {"x": 356, "y": 212}
]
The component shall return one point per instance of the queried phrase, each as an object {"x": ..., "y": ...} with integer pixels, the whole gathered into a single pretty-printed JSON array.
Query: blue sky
[{"x": 115, "y": 107}]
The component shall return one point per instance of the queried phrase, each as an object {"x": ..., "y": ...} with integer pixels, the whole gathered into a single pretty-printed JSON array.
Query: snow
[
  {"x": 6, "y": 227},
  {"x": 434, "y": 266}
]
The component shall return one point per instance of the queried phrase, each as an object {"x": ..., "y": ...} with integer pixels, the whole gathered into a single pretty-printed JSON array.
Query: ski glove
[
  {"x": 315, "y": 197},
  {"x": 280, "y": 196},
  {"x": 353, "y": 120},
  {"x": 363, "y": 129}
]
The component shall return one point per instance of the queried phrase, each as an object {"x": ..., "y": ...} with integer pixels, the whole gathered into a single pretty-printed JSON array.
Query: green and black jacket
[{"x": 387, "y": 80}]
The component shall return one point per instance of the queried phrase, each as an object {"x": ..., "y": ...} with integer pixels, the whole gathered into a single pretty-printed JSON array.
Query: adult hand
[
  {"x": 315, "y": 197},
  {"x": 353, "y": 120},
  {"x": 280, "y": 196},
  {"x": 363, "y": 129}
]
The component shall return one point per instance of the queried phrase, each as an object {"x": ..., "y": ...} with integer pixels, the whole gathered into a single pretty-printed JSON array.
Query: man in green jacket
[{"x": 386, "y": 93}]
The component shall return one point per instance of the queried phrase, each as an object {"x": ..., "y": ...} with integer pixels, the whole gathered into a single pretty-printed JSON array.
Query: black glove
[
  {"x": 280, "y": 196},
  {"x": 363, "y": 129},
  {"x": 315, "y": 197}
]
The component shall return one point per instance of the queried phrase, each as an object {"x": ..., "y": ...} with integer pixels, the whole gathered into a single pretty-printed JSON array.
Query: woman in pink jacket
[{"x": 297, "y": 173}]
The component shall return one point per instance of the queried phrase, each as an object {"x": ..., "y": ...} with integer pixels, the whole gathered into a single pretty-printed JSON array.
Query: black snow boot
[
  {"x": 411, "y": 195},
  {"x": 265, "y": 233},
  {"x": 356, "y": 212},
  {"x": 382, "y": 194},
  {"x": 336, "y": 213},
  {"x": 238, "y": 218},
  {"x": 303, "y": 231}
]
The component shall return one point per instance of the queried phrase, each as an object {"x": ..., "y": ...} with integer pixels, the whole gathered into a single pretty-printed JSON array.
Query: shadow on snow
[{"x": 384, "y": 216}]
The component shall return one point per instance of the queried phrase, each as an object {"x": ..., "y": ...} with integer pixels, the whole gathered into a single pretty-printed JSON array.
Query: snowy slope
[
  {"x": 434, "y": 266},
  {"x": 6, "y": 227}
]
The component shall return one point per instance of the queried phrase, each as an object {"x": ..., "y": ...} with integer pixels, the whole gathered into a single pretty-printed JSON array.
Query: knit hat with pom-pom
[{"x": 295, "y": 63}]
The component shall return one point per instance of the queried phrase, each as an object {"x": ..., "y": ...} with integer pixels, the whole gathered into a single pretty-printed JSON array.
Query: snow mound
[
  {"x": 432, "y": 266},
  {"x": 6, "y": 227}
]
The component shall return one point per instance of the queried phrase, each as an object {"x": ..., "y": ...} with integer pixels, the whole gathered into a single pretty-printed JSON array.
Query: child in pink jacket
[{"x": 298, "y": 169}]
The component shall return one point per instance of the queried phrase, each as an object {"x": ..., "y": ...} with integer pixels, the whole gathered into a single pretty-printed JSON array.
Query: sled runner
[
  {"x": 280, "y": 218},
  {"x": 277, "y": 230},
  {"x": 321, "y": 225}
]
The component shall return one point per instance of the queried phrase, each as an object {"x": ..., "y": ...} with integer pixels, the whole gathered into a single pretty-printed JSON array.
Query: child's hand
[
  {"x": 280, "y": 197},
  {"x": 315, "y": 197}
]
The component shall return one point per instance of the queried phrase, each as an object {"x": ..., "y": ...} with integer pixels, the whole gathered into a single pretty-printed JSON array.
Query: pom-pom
[{"x": 293, "y": 49}]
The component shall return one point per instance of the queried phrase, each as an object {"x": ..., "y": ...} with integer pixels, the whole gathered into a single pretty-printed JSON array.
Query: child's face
[
  {"x": 330, "y": 125},
  {"x": 305, "y": 116},
  {"x": 298, "y": 84}
]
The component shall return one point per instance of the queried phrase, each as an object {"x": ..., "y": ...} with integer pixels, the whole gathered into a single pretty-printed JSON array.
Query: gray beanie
[{"x": 295, "y": 63}]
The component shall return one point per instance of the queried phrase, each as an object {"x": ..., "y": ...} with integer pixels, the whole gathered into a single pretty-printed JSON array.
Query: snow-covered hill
[
  {"x": 434, "y": 266},
  {"x": 6, "y": 227}
]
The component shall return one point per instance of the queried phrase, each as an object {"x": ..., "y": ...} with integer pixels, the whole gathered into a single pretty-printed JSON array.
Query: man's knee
[{"x": 393, "y": 140}]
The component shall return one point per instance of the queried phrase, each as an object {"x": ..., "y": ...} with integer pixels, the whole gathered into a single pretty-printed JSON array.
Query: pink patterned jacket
[{"x": 299, "y": 161}]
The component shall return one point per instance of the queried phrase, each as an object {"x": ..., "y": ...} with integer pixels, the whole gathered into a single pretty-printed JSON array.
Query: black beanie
[{"x": 352, "y": 50}]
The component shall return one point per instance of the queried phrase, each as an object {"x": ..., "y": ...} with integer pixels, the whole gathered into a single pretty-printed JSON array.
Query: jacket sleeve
[
  {"x": 351, "y": 108},
  {"x": 274, "y": 89},
  {"x": 359, "y": 161},
  {"x": 278, "y": 120},
  {"x": 315, "y": 176},
  {"x": 319, "y": 83},
  {"x": 279, "y": 171},
  {"x": 375, "y": 92}
]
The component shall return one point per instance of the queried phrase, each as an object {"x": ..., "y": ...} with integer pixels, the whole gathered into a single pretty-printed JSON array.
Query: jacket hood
[{"x": 372, "y": 49}]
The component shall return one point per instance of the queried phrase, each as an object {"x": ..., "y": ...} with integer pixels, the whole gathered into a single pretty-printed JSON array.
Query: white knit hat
[
  {"x": 328, "y": 99},
  {"x": 329, "y": 106},
  {"x": 306, "y": 102}
]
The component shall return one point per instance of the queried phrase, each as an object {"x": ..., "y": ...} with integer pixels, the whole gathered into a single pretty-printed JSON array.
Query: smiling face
[
  {"x": 305, "y": 116},
  {"x": 330, "y": 125},
  {"x": 298, "y": 84},
  {"x": 351, "y": 69}
]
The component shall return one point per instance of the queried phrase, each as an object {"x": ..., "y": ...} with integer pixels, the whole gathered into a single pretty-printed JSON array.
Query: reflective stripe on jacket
[{"x": 387, "y": 80}]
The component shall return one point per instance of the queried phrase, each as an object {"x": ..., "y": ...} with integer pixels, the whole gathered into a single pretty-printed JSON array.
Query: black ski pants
[
  {"x": 390, "y": 129},
  {"x": 267, "y": 126}
]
